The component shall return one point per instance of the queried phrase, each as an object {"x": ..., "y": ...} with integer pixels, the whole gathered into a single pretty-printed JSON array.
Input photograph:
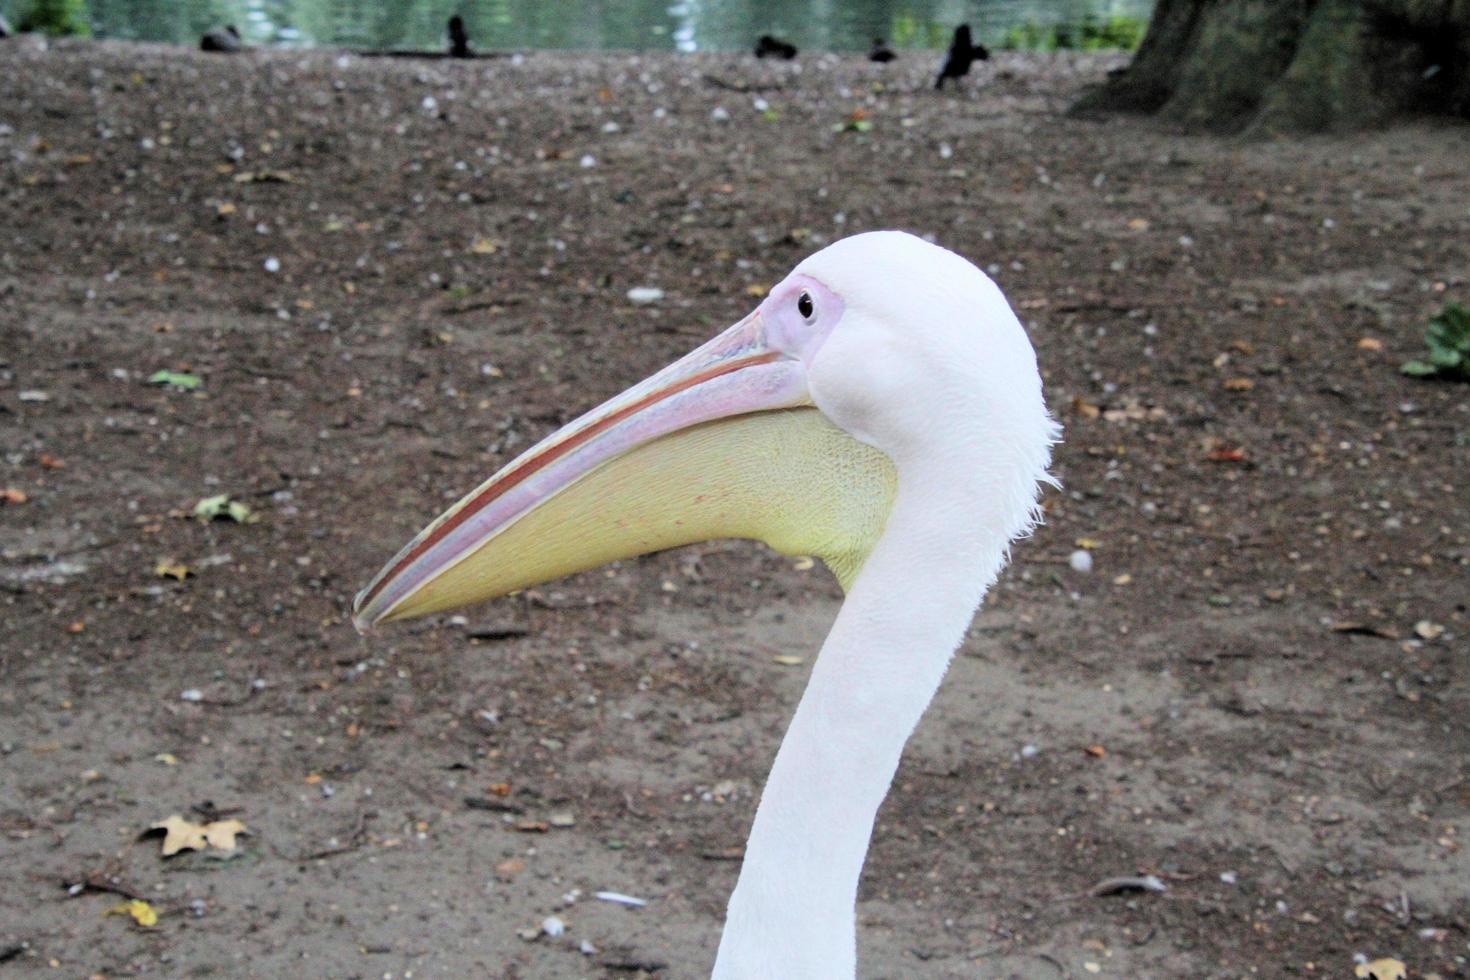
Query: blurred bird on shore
[
  {"x": 963, "y": 52},
  {"x": 767, "y": 46},
  {"x": 225, "y": 40},
  {"x": 459, "y": 38},
  {"x": 881, "y": 52}
]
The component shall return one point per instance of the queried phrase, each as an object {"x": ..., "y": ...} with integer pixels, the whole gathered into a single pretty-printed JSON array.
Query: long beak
[{"x": 718, "y": 444}]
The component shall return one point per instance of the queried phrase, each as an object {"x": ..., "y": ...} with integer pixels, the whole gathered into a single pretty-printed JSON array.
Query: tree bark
[{"x": 1276, "y": 66}]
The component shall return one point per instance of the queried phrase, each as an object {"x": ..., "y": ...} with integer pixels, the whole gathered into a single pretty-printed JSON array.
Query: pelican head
[
  {"x": 881, "y": 409},
  {"x": 878, "y": 354}
]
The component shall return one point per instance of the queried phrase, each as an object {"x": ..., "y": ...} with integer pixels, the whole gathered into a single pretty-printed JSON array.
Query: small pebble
[
  {"x": 553, "y": 926},
  {"x": 645, "y": 294},
  {"x": 272, "y": 264},
  {"x": 1081, "y": 561}
]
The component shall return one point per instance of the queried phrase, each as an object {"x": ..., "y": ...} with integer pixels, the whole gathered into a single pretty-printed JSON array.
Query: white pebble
[
  {"x": 645, "y": 294},
  {"x": 1081, "y": 561},
  {"x": 720, "y": 114},
  {"x": 272, "y": 264},
  {"x": 588, "y": 161},
  {"x": 553, "y": 926},
  {"x": 192, "y": 694},
  {"x": 1228, "y": 877}
]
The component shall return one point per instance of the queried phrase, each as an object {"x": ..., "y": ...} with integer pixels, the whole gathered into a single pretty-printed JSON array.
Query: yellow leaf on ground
[
  {"x": 168, "y": 568},
  {"x": 143, "y": 913},
  {"x": 787, "y": 661},
  {"x": 185, "y": 835},
  {"x": 1385, "y": 969}
]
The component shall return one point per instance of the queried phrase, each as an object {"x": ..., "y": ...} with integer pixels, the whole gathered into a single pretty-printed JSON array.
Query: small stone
[
  {"x": 192, "y": 694},
  {"x": 643, "y": 295},
  {"x": 1080, "y": 561},
  {"x": 553, "y": 926},
  {"x": 272, "y": 264}
]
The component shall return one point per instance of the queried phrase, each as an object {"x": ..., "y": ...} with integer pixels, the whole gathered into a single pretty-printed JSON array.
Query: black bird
[
  {"x": 881, "y": 52},
  {"x": 224, "y": 39},
  {"x": 767, "y": 46},
  {"x": 459, "y": 38},
  {"x": 963, "y": 52}
]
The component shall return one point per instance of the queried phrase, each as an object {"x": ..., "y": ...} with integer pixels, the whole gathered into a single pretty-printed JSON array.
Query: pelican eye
[{"x": 804, "y": 306}]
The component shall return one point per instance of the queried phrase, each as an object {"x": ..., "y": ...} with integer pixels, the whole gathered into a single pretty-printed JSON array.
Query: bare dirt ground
[{"x": 393, "y": 277}]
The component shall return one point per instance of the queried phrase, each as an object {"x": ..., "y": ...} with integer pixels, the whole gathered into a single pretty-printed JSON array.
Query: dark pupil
[{"x": 804, "y": 305}]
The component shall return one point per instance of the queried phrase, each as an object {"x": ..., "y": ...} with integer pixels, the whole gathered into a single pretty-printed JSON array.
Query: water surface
[{"x": 682, "y": 25}]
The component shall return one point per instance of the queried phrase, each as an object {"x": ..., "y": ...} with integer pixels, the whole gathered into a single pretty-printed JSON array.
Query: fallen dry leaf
[
  {"x": 1384, "y": 969},
  {"x": 1096, "y": 751},
  {"x": 13, "y": 495},
  {"x": 1427, "y": 629},
  {"x": 1370, "y": 343},
  {"x": 50, "y": 462},
  {"x": 1226, "y": 455},
  {"x": 1239, "y": 384},
  {"x": 185, "y": 835},
  {"x": 143, "y": 913},
  {"x": 168, "y": 568}
]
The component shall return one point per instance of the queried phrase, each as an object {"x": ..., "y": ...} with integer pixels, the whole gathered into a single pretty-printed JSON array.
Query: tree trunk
[{"x": 1274, "y": 66}]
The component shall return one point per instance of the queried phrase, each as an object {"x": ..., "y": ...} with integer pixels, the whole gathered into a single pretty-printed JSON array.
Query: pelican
[{"x": 881, "y": 409}]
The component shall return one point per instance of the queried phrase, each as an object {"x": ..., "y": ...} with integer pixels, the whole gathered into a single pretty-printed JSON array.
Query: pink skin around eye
[{"x": 787, "y": 330}]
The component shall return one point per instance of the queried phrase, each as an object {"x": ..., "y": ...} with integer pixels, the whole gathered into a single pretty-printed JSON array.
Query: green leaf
[
  {"x": 1448, "y": 340},
  {"x": 176, "y": 379},
  {"x": 214, "y": 508}
]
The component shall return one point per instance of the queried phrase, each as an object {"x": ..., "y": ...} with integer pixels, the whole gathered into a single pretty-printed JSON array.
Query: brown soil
[{"x": 1236, "y": 690}]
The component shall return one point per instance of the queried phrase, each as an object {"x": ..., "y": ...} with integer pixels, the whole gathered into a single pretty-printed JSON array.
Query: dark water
[{"x": 683, "y": 25}]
